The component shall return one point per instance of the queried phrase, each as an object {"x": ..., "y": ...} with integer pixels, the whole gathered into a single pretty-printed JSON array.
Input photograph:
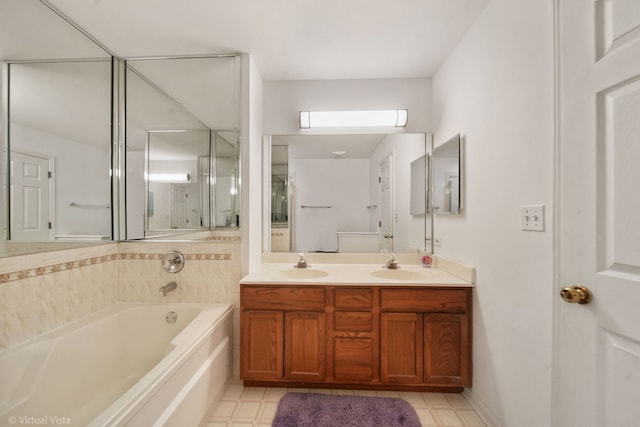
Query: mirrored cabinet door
[
  {"x": 182, "y": 145},
  {"x": 60, "y": 156},
  {"x": 445, "y": 177},
  {"x": 56, "y": 131}
]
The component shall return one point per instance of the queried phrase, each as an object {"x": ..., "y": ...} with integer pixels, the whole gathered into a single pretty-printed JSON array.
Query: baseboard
[{"x": 481, "y": 409}]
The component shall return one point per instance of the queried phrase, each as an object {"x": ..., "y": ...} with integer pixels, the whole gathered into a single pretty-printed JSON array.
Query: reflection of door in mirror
[
  {"x": 179, "y": 206},
  {"x": 30, "y": 197},
  {"x": 176, "y": 165},
  {"x": 386, "y": 204},
  {"x": 62, "y": 111}
]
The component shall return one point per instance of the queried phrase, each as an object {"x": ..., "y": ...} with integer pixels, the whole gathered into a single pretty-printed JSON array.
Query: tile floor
[{"x": 256, "y": 406}]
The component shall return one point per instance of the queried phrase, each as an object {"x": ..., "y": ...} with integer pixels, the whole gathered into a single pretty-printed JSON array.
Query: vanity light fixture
[
  {"x": 353, "y": 119},
  {"x": 169, "y": 177}
]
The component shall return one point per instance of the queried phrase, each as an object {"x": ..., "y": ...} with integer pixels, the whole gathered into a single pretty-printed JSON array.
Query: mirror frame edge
[{"x": 4, "y": 143}]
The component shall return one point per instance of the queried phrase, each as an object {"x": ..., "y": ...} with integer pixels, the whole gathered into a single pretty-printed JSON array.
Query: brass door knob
[
  {"x": 576, "y": 294},
  {"x": 388, "y": 236}
]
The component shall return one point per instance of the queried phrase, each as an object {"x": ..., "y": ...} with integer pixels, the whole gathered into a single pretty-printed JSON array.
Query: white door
[
  {"x": 597, "y": 358},
  {"x": 29, "y": 193},
  {"x": 179, "y": 206},
  {"x": 386, "y": 204}
]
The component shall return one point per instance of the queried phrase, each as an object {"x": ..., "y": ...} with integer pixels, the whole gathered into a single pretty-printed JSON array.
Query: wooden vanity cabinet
[
  {"x": 282, "y": 333},
  {"x": 411, "y": 338},
  {"x": 426, "y": 336}
]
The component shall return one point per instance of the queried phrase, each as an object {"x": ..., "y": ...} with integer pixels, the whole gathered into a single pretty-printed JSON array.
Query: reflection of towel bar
[
  {"x": 315, "y": 207},
  {"x": 79, "y": 205}
]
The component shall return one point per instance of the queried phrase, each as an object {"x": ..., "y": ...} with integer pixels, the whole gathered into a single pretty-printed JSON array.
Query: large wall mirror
[
  {"x": 56, "y": 131},
  {"x": 61, "y": 92},
  {"x": 182, "y": 150},
  {"x": 347, "y": 193}
]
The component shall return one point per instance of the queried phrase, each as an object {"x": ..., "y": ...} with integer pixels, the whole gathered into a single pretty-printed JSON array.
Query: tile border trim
[{"x": 70, "y": 265}]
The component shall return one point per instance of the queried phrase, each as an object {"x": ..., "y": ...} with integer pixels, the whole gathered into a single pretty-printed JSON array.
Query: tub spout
[{"x": 171, "y": 286}]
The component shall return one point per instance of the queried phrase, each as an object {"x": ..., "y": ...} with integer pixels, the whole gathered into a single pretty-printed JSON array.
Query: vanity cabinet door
[
  {"x": 447, "y": 350},
  {"x": 262, "y": 345},
  {"x": 305, "y": 345},
  {"x": 401, "y": 348}
]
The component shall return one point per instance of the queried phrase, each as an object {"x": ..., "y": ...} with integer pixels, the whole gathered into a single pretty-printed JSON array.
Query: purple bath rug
[{"x": 325, "y": 410}]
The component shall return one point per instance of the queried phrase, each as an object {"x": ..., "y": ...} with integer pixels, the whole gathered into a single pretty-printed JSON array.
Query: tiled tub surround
[{"x": 43, "y": 291}]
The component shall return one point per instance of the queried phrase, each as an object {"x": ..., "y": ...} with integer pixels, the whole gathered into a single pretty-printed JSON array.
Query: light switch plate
[{"x": 533, "y": 218}]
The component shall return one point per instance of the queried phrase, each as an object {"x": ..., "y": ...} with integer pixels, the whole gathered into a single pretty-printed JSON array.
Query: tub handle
[{"x": 173, "y": 261}]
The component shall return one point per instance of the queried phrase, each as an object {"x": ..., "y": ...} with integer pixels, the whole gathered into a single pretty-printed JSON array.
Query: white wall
[
  {"x": 315, "y": 182},
  {"x": 496, "y": 89},
  {"x": 283, "y": 100},
  {"x": 251, "y": 132}
]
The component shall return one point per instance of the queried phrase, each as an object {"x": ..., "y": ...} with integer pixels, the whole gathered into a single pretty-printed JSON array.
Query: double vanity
[{"x": 346, "y": 321}]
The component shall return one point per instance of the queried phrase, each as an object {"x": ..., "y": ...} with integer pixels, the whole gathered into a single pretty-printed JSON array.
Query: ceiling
[
  {"x": 288, "y": 39},
  {"x": 356, "y": 146}
]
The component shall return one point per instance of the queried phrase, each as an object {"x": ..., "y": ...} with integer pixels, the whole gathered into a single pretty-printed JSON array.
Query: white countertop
[{"x": 372, "y": 274}]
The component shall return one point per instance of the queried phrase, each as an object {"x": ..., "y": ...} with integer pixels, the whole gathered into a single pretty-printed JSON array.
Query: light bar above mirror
[{"x": 353, "y": 119}]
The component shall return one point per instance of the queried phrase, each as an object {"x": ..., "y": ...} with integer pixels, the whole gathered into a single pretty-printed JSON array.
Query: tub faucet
[
  {"x": 171, "y": 286},
  {"x": 392, "y": 264},
  {"x": 302, "y": 263}
]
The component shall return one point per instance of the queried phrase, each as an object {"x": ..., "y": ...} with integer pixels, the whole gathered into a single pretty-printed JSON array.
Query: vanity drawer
[
  {"x": 424, "y": 300},
  {"x": 353, "y": 321},
  {"x": 283, "y": 297},
  {"x": 353, "y": 298}
]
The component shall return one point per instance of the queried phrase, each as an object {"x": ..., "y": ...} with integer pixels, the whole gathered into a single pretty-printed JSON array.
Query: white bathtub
[{"x": 122, "y": 366}]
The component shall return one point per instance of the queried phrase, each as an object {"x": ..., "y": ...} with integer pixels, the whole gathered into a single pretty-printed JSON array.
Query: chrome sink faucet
[
  {"x": 392, "y": 264},
  {"x": 302, "y": 263},
  {"x": 171, "y": 286}
]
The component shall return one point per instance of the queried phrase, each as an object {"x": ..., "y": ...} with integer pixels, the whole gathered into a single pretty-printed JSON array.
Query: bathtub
[{"x": 127, "y": 365}]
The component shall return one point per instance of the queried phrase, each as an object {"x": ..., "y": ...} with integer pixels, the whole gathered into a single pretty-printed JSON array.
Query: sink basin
[
  {"x": 301, "y": 273},
  {"x": 399, "y": 274}
]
